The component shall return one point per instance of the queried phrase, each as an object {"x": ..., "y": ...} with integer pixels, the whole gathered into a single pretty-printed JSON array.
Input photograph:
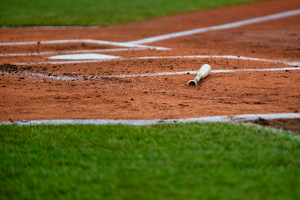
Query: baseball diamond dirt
[{"x": 126, "y": 72}]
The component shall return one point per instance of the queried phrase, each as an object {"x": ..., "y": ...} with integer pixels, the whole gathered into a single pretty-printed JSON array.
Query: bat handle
[{"x": 195, "y": 81}]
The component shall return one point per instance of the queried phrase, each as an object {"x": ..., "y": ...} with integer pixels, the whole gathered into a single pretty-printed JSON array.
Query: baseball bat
[{"x": 202, "y": 73}]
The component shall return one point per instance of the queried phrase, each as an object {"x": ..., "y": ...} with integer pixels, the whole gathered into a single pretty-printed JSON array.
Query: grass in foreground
[
  {"x": 95, "y": 12},
  {"x": 170, "y": 161}
]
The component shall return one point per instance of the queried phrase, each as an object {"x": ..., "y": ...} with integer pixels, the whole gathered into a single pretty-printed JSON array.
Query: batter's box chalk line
[
  {"x": 103, "y": 59},
  {"x": 72, "y": 52},
  {"x": 68, "y": 78}
]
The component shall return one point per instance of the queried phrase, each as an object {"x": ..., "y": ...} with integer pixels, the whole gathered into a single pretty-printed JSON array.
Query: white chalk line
[
  {"x": 222, "y": 56},
  {"x": 219, "y": 27},
  {"x": 102, "y": 42},
  {"x": 296, "y": 63},
  {"x": 70, "y": 52},
  {"x": 195, "y": 72},
  {"x": 231, "y": 118},
  {"x": 69, "y": 78}
]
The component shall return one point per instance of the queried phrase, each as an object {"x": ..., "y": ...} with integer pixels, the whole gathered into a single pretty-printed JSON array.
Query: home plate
[{"x": 84, "y": 57}]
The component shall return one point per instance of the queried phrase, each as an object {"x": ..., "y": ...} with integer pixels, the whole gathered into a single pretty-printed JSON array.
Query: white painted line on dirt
[
  {"x": 231, "y": 118},
  {"x": 219, "y": 27},
  {"x": 169, "y": 57},
  {"x": 45, "y": 42},
  {"x": 85, "y": 56},
  {"x": 72, "y": 51},
  {"x": 54, "y": 77},
  {"x": 69, "y": 78},
  {"x": 102, "y": 42},
  {"x": 221, "y": 56},
  {"x": 195, "y": 72}
]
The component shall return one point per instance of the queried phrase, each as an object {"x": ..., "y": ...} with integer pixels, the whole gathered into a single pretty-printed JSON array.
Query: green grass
[
  {"x": 96, "y": 12},
  {"x": 170, "y": 161}
]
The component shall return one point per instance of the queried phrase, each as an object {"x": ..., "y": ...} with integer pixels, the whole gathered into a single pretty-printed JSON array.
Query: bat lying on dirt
[{"x": 202, "y": 73}]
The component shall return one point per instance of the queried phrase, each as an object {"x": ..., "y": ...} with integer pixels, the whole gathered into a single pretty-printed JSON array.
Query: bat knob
[{"x": 192, "y": 83}]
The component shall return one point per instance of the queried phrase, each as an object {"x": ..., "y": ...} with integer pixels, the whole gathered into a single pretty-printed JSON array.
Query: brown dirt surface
[
  {"x": 52, "y": 89},
  {"x": 283, "y": 124}
]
